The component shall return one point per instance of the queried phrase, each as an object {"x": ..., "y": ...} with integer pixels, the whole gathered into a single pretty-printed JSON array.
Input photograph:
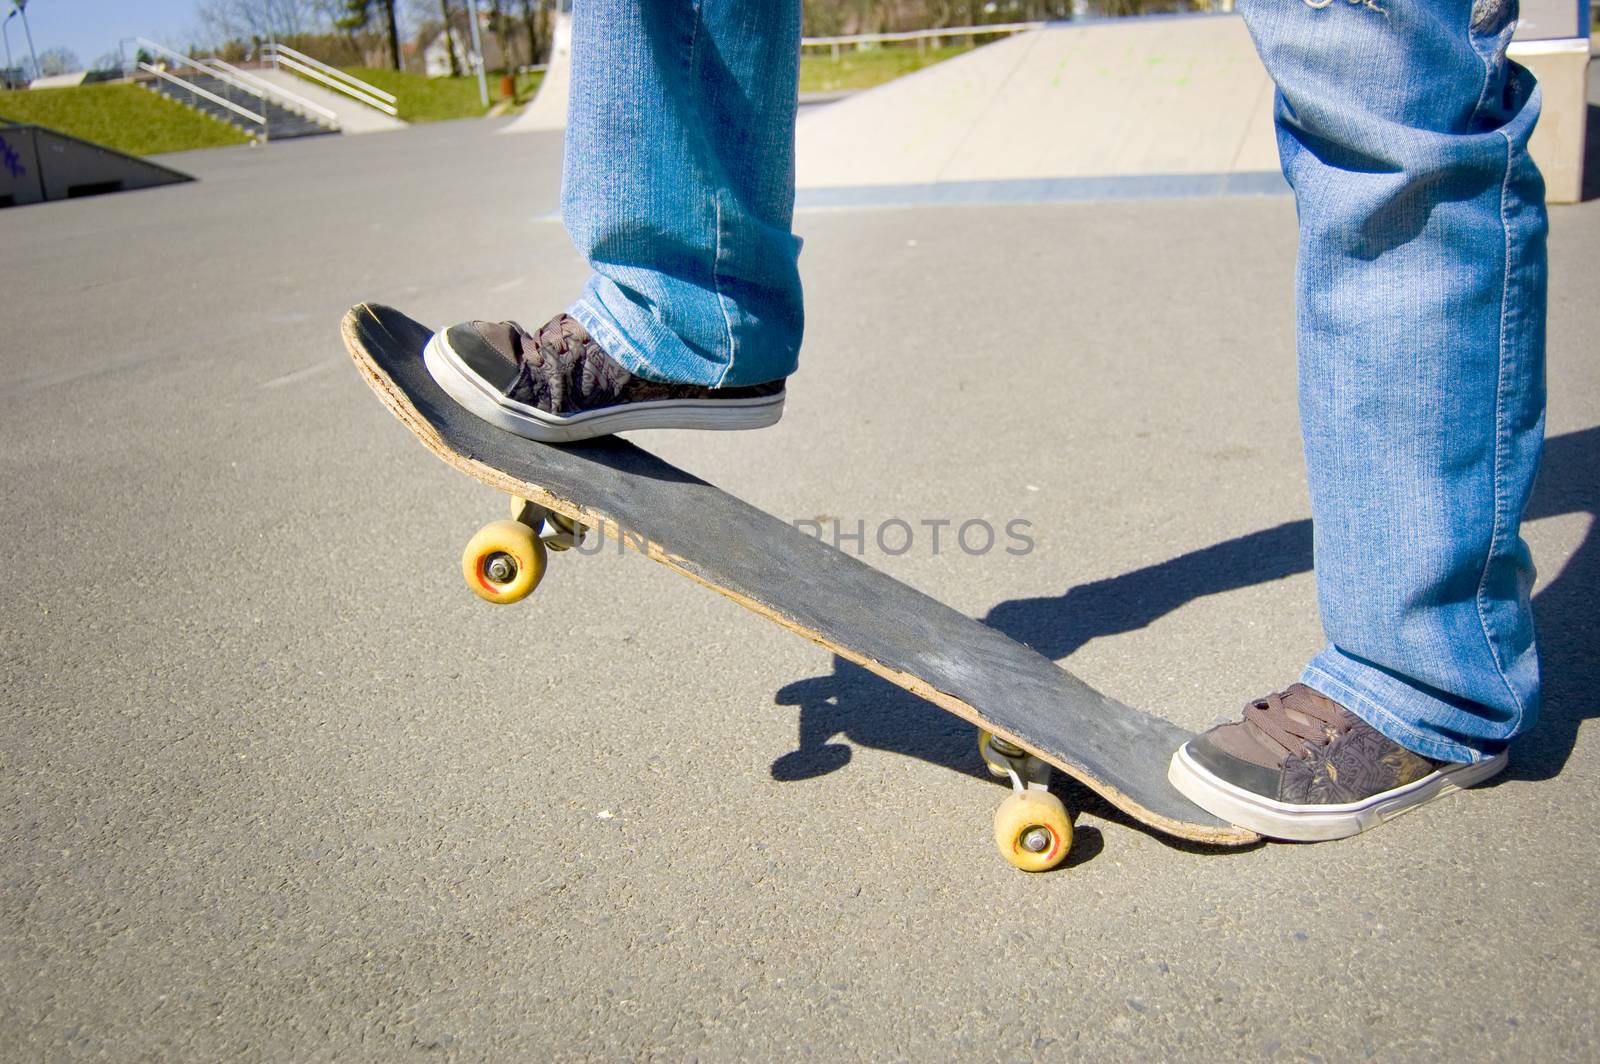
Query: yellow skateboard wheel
[
  {"x": 503, "y": 562},
  {"x": 1032, "y": 830}
]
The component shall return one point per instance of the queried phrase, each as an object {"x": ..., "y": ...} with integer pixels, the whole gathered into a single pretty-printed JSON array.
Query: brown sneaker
[
  {"x": 1300, "y": 766},
  {"x": 558, "y": 386}
]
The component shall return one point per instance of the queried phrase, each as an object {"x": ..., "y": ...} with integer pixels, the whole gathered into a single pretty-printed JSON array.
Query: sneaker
[
  {"x": 1300, "y": 766},
  {"x": 558, "y": 386}
]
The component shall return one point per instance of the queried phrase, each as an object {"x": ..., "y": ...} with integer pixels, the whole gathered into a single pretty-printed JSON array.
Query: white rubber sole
[
  {"x": 1316, "y": 823},
  {"x": 472, "y": 392}
]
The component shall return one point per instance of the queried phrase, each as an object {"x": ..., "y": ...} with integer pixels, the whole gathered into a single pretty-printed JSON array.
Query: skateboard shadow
[
  {"x": 856, "y": 705},
  {"x": 868, "y": 710}
]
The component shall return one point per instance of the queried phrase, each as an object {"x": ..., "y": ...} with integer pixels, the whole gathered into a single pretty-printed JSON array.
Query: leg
[
  {"x": 1421, "y": 304},
  {"x": 1420, "y": 298},
  {"x": 679, "y": 186},
  {"x": 679, "y": 190}
]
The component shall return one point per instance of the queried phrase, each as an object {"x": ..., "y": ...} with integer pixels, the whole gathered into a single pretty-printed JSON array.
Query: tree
[
  {"x": 394, "y": 34},
  {"x": 533, "y": 19},
  {"x": 356, "y": 15},
  {"x": 264, "y": 19},
  {"x": 57, "y": 61},
  {"x": 497, "y": 20},
  {"x": 449, "y": 39}
]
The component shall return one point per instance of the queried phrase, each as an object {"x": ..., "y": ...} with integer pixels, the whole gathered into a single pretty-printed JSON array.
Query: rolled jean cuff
[
  {"x": 616, "y": 344},
  {"x": 1392, "y": 708}
]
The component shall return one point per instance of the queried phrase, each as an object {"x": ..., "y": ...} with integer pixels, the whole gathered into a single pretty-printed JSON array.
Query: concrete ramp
[
  {"x": 38, "y": 164},
  {"x": 1160, "y": 106},
  {"x": 1152, "y": 99},
  {"x": 548, "y": 110}
]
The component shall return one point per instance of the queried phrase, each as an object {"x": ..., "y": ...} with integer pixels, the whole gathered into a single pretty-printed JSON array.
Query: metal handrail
[
  {"x": 280, "y": 55},
  {"x": 337, "y": 86},
  {"x": 198, "y": 91},
  {"x": 269, "y": 89},
  {"x": 226, "y": 79},
  {"x": 333, "y": 71}
]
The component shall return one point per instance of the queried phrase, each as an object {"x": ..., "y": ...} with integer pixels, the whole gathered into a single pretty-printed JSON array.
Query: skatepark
[{"x": 278, "y": 787}]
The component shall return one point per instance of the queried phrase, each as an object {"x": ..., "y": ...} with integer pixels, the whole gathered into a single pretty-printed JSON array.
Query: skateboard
[{"x": 1033, "y": 717}]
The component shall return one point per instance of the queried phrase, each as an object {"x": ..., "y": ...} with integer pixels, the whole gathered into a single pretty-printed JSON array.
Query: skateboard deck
[{"x": 1035, "y": 710}]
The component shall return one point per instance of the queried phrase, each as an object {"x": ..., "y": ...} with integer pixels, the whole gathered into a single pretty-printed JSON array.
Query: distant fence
[
  {"x": 921, "y": 37},
  {"x": 971, "y": 33}
]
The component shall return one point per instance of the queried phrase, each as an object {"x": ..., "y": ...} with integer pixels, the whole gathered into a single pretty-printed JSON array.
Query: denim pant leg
[
  {"x": 1421, "y": 307},
  {"x": 678, "y": 185}
]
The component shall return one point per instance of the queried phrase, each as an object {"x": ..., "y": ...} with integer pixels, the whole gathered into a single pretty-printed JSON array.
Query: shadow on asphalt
[
  {"x": 869, "y": 711},
  {"x": 1591, "y": 156}
]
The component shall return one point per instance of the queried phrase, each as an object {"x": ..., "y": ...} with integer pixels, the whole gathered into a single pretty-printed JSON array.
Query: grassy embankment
[
  {"x": 858, "y": 68},
  {"x": 120, "y": 116}
]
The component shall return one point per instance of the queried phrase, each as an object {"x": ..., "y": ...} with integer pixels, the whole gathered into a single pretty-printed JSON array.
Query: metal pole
[
  {"x": 22, "y": 9},
  {"x": 5, "y": 30},
  {"x": 477, "y": 47}
]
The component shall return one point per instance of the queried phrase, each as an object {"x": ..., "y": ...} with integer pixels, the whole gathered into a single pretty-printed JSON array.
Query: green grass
[
  {"x": 863, "y": 68},
  {"x": 423, "y": 99},
  {"x": 120, "y": 116}
]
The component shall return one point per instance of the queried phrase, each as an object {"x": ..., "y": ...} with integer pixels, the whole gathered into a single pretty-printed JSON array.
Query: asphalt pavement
[{"x": 275, "y": 786}]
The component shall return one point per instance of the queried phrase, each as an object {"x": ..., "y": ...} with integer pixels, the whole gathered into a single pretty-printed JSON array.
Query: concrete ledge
[
  {"x": 1557, "y": 145},
  {"x": 1046, "y": 190}
]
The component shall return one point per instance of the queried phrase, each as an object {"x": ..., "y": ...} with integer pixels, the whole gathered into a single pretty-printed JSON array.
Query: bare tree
[
  {"x": 533, "y": 17},
  {"x": 497, "y": 20},
  {"x": 449, "y": 38},
  {"x": 394, "y": 34},
  {"x": 57, "y": 61},
  {"x": 357, "y": 15},
  {"x": 265, "y": 19}
]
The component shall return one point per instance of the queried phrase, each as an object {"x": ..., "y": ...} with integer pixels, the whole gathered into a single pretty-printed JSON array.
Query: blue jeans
[
  {"x": 678, "y": 185},
  {"x": 1403, "y": 129}
]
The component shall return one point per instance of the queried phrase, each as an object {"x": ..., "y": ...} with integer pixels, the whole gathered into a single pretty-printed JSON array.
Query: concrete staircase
[
  {"x": 282, "y": 123},
  {"x": 354, "y": 117}
]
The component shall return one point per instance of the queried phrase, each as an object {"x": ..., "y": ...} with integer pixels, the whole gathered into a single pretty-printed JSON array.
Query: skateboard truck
[
  {"x": 562, "y": 533},
  {"x": 505, "y": 560},
  {"x": 1031, "y": 828}
]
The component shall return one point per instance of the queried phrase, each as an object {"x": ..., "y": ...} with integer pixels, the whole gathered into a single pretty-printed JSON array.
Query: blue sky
[{"x": 90, "y": 28}]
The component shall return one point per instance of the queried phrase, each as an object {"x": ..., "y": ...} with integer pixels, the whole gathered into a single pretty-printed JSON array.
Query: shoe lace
[
  {"x": 1310, "y": 721},
  {"x": 561, "y": 365}
]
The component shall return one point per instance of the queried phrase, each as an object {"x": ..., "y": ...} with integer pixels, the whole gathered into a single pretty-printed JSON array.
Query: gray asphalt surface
[{"x": 275, "y": 786}]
